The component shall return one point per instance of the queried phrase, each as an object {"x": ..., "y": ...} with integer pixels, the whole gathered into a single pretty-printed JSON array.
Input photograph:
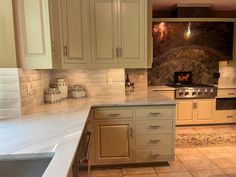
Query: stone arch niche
[{"x": 202, "y": 61}]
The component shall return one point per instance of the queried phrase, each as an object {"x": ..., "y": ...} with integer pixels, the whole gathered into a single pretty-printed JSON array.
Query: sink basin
[{"x": 24, "y": 165}]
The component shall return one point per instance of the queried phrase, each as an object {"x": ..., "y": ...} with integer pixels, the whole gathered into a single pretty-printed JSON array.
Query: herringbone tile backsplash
[{"x": 200, "y": 62}]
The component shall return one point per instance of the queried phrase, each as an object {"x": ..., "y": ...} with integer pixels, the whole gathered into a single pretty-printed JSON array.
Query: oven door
[{"x": 83, "y": 154}]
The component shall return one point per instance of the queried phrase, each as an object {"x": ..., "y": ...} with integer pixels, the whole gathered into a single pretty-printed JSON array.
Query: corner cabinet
[
  {"x": 120, "y": 34},
  {"x": 195, "y": 111}
]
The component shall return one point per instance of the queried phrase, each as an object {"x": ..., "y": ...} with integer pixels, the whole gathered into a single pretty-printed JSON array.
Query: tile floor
[{"x": 189, "y": 162}]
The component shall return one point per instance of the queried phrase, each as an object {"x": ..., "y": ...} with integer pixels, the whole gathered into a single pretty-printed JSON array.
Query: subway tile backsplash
[{"x": 10, "y": 106}]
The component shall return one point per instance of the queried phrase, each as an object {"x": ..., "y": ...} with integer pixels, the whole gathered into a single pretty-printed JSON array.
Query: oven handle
[{"x": 86, "y": 157}]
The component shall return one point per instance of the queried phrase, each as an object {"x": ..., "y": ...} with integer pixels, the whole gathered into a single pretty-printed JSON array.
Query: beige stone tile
[
  {"x": 106, "y": 173},
  {"x": 142, "y": 175},
  {"x": 175, "y": 166},
  {"x": 216, "y": 152},
  {"x": 177, "y": 174},
  {"x": 140, "y": 170},
  {"x": 186, "y": 151},
  {"x": 199, "y": 156},
  {"x": 209, "y": 173},
  {"x": 231, "y": 149},
  {"x": 225, "y": 162},
  {"x": 199, "y": 164},
  {"x": 230, "y": 171}
]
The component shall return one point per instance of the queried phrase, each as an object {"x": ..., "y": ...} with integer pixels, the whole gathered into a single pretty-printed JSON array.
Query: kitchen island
[{"x": 55, "y": 130}]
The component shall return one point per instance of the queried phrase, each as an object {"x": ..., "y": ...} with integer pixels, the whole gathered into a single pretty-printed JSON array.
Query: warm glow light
[
  {"x": 162, "y": 29},
  {"x": 188, "y": 32}
]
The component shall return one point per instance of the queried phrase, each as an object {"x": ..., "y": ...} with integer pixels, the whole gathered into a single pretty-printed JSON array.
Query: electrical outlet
[
  {"x": 29, "y": 89},
  {"x": 109, "y": 81}
]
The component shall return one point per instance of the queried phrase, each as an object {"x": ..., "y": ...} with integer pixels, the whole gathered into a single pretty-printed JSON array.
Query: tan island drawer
[
  {"x": 102, "y": 113},
  {"x": 153, "y": 154},
  {"x": 226, "y": 93},
  {"x": 153, "y": 126},
  {"x": 154, "y": 112},
  {"x": 153, "y": 140}
]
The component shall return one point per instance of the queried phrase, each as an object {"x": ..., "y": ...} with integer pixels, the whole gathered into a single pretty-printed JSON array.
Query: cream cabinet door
[
  {"x": 33, "y": 33},
  {"x": 54, "y": 9},
  {"x": 7, "y": 37},
  {"x": 204, "y": 109},
  {"x": 104, "y": 31},
  {"x": 132, "y": 29},
  {"x": 184, "y": 111},
  {"x": 76, "y": 31},
  {"x": 113, "y": 141}
]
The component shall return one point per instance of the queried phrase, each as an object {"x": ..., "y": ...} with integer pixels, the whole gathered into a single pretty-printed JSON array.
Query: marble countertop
[
  {"x": 161, "y": 88},
  {"x": 55, "y": 130}
]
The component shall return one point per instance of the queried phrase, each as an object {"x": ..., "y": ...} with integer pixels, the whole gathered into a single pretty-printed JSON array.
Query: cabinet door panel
[
  {"x": 113, "y": 141},
  {"x": 75, "y": 31},
  {"x": 132, "y": 30},
  {"x": 104, "y": 30},
  {"x": 7, "y": 44},
  {"x": 205, "y": 110},
  {"x": 34, "y": 34},
  {"x": 184, "y": 111}
]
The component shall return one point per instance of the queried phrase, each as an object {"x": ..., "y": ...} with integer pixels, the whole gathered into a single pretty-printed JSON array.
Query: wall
[
  {"x": 9, "y": 93},
  {"x": 98, "y": 83},
  {"x": 32, "y": 86},
  {"x": 228, "y": 76}
]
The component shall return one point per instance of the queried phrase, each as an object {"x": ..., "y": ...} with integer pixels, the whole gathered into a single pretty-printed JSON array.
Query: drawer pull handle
[
  {"x": 154, "y": 126},
  {"x": 155, "y": 113},
  {"x": 230, "y": 116},
  {"x": 154, "y": 155},
  {"x": 154, "y": 141},
  {"x": 113, "y": 115},
  {"x": 231, "y": 94}
]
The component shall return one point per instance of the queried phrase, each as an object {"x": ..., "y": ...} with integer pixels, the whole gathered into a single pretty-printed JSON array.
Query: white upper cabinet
[
  {"x": 33, "y": 33},
  {"x": 121, "y": 31},
  {"x": 7, "y": 37},
  {"x": 76, "y": 32},
  {"x": 104, "y": 31},
  {"x": 132, "y": 31},
  {"x": 84, "y": 33}
]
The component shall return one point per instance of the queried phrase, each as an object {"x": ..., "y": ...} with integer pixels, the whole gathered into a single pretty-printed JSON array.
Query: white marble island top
[{"x": 56, "y": 129}]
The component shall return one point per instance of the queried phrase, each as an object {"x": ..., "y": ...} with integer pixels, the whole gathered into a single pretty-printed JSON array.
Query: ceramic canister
[{"x": 62, "y": 86}]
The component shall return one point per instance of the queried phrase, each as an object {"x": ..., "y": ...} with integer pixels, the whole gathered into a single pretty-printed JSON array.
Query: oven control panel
[{"x": 201, "y": 92}]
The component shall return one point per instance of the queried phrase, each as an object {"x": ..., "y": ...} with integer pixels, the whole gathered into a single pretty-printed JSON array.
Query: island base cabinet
[
  {"x": 113, "y": 141},
  {"x": 133, "y": 134}
]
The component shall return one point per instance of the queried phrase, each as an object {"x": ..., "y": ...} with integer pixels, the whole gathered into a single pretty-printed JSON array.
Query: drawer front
[
  {"x": 153, "y": 126},
  {"x": 154, "y": 112},
  {"x": 153, "y": 154},
  {"x": 113, "y": 113},
  {"x": 227, "y": 93},
  {"x": 226, "y": 115},
  {"x": 153, "y": 140}
]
